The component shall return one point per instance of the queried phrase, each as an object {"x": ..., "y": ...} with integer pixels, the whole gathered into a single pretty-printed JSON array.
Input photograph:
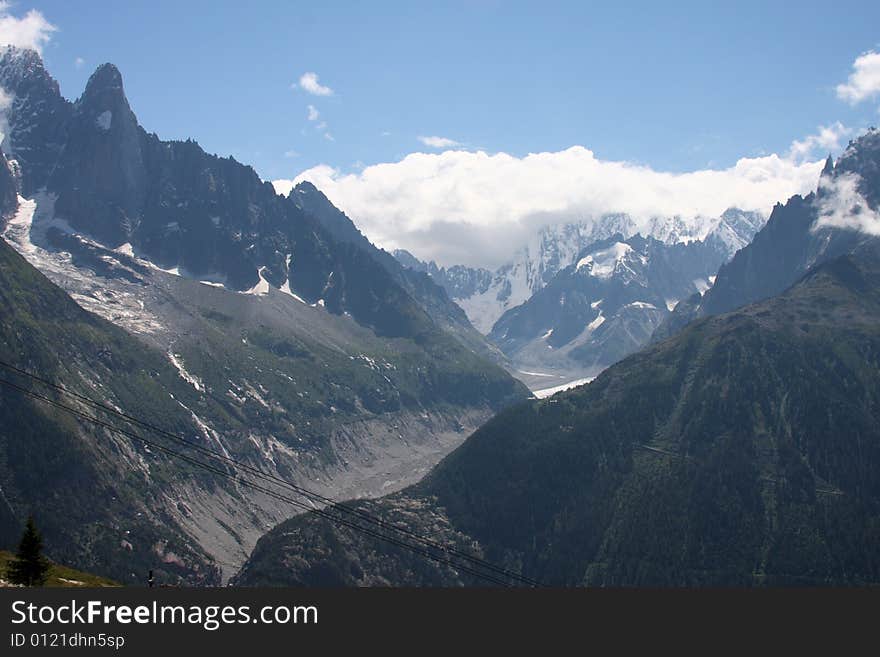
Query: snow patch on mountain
[
  {"x": 18, "y": 228},
  {"x": 194, "y": 381},
  {"x": 484, "y": 308},
  {"x": 261, "y": 289},
  {"x": 285, "y": 288},
  {"x": 104, "y": 120},
  {"x": 605, "y": 262},
  {"x": 549, "y": 392},
  {"x": 27, "y": 232},
  {"x": 596, "y": 323},
  {"x": 702, "y": 285}
]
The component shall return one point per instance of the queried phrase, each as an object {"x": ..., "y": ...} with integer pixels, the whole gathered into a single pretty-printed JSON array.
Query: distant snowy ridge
[{"x": 485, "y": 296}]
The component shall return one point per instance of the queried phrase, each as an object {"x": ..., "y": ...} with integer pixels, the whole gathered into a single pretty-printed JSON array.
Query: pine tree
[{"x": 30, "y": 567}]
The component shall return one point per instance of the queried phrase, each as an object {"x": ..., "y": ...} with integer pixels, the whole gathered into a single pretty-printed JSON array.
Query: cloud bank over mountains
[
  {"x": 471, "y": 207},
  {"x": 464, "y": 207}
]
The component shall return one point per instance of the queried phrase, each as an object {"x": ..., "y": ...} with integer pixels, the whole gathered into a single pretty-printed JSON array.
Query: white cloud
[
  {"x": 309, "y": 83},
  {"x": 79, "y": 62},
  {"x": 476, "y": 208},
  {"x": 843, "y": 206},
  {"x": 320, "y": 126},
  {"x": 864, "y": 82},
  {"x": 291, "y": 153},
  {"x": 30, "y": 31},
  {"x": 827, "y": 139},
  {"x": 439, "y": 142}
]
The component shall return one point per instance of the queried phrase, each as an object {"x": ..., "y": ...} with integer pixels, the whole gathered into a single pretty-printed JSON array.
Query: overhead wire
[{"x": 311, "y": 495}]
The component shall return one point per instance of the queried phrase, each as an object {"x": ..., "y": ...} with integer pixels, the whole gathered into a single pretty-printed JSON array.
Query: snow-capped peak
[
  {"x": 555, "y": 247},
  {"x": 604, "y": 262}
]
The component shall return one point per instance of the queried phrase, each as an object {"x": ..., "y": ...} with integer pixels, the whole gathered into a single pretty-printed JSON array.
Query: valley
[{"x": 364, "y": 316}]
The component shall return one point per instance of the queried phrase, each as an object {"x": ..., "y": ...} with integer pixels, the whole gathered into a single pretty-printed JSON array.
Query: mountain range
[
  {"x": 162, "y": 306},
  {"x": 743, "y": 450},
  {"x": 189, "y": 292},
  {"x": 583, "y": 295}
]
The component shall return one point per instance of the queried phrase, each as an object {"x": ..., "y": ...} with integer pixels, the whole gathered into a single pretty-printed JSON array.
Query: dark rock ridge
[
  {"x": 207, "y": 216},
  {"x": 8, "y": 189},
  {"x": 36, "y": 118},
  {"x": 793, "y": 241},
  {"x": 426, "y": 289},
  {"x": 459, "y": 281}
]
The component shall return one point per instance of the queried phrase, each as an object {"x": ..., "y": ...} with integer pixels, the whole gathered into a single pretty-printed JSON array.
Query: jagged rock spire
[{"x": 829, "y": 166}]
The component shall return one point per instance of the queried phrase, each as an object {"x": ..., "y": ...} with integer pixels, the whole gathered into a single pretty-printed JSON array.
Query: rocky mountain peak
[
  {"x": 792, "y": 241},
  {"x": 34, "y": 113},
  {"x": 828, "y": 169},
  {"x": 106, "y": 76},
  {"x": 309, "y": 198},
  {"x": 306, "y": 187},
  {"x": 20, "y": 64},
  {"x": 103, "y": 152},
  {"x": 314, "y": 202},
  {"x": 104, "y": 97}
]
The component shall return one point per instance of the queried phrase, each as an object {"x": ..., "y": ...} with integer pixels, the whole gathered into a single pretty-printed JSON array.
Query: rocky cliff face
[
  {"x": 8, "y": 189},
  {"x": 35, "y": 116},
  {"x": 803, "y": 232},
  {"x": 101, "y": 178}
]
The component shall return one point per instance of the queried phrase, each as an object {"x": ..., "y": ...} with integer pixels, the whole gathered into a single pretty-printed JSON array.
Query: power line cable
[
  {"x": 278, "y": 480},
  {"x": 275, "y": 495},
  {"x": 237, "y": 478}
]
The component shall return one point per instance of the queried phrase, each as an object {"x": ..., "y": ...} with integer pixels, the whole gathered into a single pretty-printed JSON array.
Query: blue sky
[{"x": 677, "y": 88}]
